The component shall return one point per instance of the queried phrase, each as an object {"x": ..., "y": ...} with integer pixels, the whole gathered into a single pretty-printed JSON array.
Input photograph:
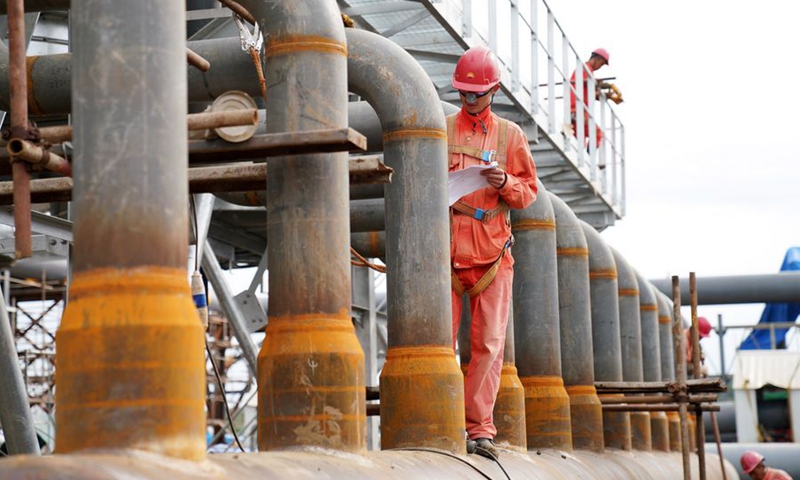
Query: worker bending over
[
  {"x": 753, "y": 465},
  {"x": 480, "y": 235}
]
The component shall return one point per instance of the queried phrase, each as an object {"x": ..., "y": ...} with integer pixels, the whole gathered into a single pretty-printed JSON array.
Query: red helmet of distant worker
[
  {"x": 602, "y": 53},
  {"x": 750, "y": 460},
  {"x": 703, "y": 327},
  {"x": 477, "y": 71}
]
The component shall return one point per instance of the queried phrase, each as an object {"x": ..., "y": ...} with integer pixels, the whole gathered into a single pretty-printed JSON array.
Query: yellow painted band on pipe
[
  {"x": 509, "y": 411},
  {"x": 311, "y": 384},
  {"x": 533, "y": 225},
  {"x": 610, "y": 274},
  {"x": 411, "y": 133},
  {"x": 303, "y": 43},
  {"x": 665, "y": 319},
  {"x": 628, "y": 292},
  {"x": 130, "y": 364},
  {"x": 572, "y": 252},
  {"x": 547, "y": 415},
  {"x": 422, "y": 399},
  {"x": 648, "y": 308}
]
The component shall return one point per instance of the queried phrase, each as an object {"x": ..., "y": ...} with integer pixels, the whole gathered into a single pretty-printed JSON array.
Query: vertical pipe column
[
  {"x": 606, "y": 332},
  {"x": 536, "y": 325},
  {"x": 631, "y": 336},
  {"x": 575, "y": 315},
  {"x": 130, "y": 347},
  {"x": 651, "y": 358},
  {"x": 509, "y": 409},
  {"x": 311, "y": 367},
  {"x": 422, "y": 388},
  {"x": 668, "y": 365}
]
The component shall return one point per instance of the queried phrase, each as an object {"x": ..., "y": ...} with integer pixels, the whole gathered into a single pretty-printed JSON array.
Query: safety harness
[{"x": 499, "y": 155}]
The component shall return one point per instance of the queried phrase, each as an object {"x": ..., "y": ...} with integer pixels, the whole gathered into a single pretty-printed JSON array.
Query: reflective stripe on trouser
[{"x": 489, "y": 311}]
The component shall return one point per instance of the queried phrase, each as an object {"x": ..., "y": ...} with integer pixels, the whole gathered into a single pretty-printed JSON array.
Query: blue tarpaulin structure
[{"x": 776, "y": 313}]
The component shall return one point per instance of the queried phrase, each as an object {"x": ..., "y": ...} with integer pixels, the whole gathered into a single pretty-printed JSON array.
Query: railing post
[
  {"x": 551, "y": 77},
  {"x": 534, "y": 20}
]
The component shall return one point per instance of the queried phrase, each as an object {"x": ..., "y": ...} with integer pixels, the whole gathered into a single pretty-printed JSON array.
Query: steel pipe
[
  {"x": 421, "y": 384},
  {"x": 38, "y": 156},
  {"x": 18, "y": 88},
  {"x": 15, "y": 411},
  {"x": 767, "y": 288},
  {"x": 536, "y": 324},
  {"x": 576, "y": 329},
  {"x": 604, "y": 291},
  {"x": 631, "y": 336},
  {"x": 668, "y": 364},
  {"x": 310, "y": 331},
  {"x": 130, "y": 352},
  {"x": 197, "y": 61},
  {"x": 509, "y": 409}
]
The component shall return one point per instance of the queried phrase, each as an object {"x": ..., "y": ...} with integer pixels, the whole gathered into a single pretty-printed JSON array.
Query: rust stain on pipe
[
  {"x": 586, "y": 413},
  {"x": 509, "y": 410},
  {"x": 422, "y": 401},
  {"x": 375, "y": 244},
  {"x": 527, "y": 224},
  {"x": 303, "y": 43},
  {"x": 412, "y": 133},
  {"x": 641, "y": 433},
  {"x": 547, "y": 415},
  {"x": 130, "y": 348},
  {"x": 311, "y": 384},
  {"x": 33, "y": 104},
  {"x": 616, "y": 428},
  {"x": 659, "y": 426},
  {"x": 674, "y": 420}
]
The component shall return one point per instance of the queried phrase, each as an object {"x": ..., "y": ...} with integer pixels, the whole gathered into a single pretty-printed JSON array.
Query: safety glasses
[{"x": 475, "y": 94}]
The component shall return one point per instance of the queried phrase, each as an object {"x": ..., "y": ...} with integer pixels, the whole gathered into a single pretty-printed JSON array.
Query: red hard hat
[
  {"x": 750, "y": 460},
  {"x": 703, "y": 327},
  {"x": 603, "y": 53},
  {"x": 477, "y": 71}
]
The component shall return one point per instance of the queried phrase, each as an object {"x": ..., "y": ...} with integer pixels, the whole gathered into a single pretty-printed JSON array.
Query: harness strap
[
  {"x": 499, "y": 154},
  {"x": 480, "y": 214},
  {"x": 485, "y": 280}
]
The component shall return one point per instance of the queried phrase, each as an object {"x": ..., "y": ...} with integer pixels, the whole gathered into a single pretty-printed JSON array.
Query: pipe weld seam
[
  {"x": 605, "y": 273},
  {"x": 572, "y": 252},
  {"x": 304, "y": 43},
  {"x": 412, "y": 133},
  {"x": 528, "y": 224},
  {"x": 648, "y": 308},
  {"x": 665, "y": 319},
  {"x": 310, "y": 322},
  {"x": 420, "y": 351},
  {"x": 141, "y": 280},
  {"x": 629, "y": 292},
  {"x": 581, "y": 390},
  {"x": 542, "y": 381}
]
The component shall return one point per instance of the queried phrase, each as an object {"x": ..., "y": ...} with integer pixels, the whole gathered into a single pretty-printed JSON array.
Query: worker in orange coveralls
[
  {"x": 753, "y": 465},
  {"x": 480, "y": 235},
  {"x": 598, "y": 59},
  {"x": 703, "y": 330}
]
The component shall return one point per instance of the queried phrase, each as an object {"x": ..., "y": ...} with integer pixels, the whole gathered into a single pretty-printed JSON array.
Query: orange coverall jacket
[{"x": 474, "y": 243}]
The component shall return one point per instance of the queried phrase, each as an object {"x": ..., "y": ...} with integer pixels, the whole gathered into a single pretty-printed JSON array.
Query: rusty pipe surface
[
  {"x": 130, "y": 346},
  {"x": 536, "y": 324},
  {"x": 38, "y": 156},
  {"x": 197, "y": 61},
  {"x": 18, "y": 88},
  {"x": 310, "y": 331},
  {"x": 509, "y": 409},
  {"x": 385, "y": 465},
  {"x": 604, "y": 294},
  {"x": 576, "y": 328},
  {"x": 421, "y": 384}
]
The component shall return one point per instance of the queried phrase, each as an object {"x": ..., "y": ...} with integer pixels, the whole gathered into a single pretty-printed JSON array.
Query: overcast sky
[{"x": 712, "y": 117}]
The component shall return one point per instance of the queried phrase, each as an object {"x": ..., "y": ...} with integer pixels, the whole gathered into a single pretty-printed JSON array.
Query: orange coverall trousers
[{"x": 489, "y": 311}]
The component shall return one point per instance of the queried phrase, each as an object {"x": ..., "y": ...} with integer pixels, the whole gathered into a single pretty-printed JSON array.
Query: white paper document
[{"x": 466, "y": 181}]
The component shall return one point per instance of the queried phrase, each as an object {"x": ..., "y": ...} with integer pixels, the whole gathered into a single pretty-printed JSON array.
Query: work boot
[
  {"x": 471, "y": 446},
  {"x": 485, "y": 447}
]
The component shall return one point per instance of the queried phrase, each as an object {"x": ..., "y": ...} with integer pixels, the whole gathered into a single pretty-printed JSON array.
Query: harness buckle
[
  {"x": 479, "y": 213},
  {"x": 488, "y": 156}
]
